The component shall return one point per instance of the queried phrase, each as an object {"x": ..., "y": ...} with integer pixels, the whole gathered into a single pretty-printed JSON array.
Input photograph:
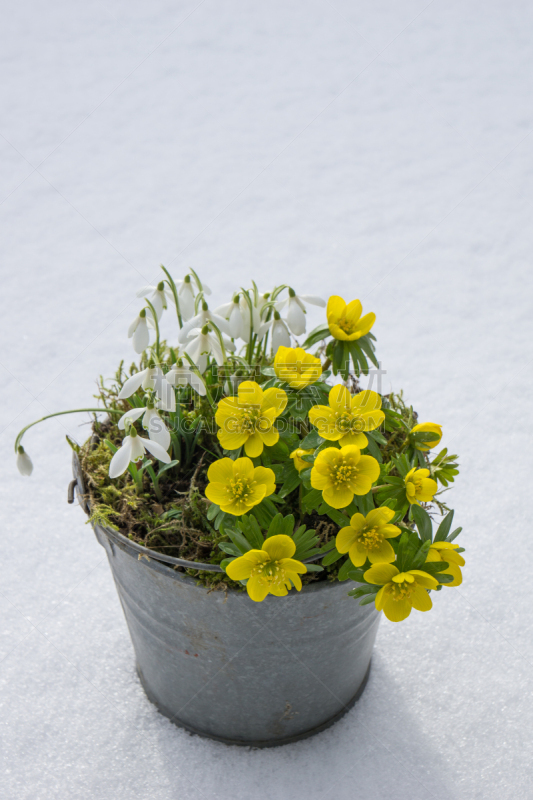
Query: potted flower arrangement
[{"x": 259, "y": 508}]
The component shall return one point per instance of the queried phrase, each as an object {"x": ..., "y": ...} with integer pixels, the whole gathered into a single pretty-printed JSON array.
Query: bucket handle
[{"x": 170, "y": 559}]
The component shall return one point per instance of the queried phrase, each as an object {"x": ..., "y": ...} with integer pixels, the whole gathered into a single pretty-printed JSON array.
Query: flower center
[
  {"x": 347, "y": 422},
  {"x": 347, "y": 325},
  {"x": 371, "y": 538},
  {"x": 402, "y": 591},
  {"x": 270, "y": 573},
  {"x": 239, "y": 489},
  {"x": 343, "y": 473},
  {"x": 249, "y": 420}
]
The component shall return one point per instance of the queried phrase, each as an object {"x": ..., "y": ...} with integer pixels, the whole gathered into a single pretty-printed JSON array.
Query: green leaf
[
  {"x": 365, "y": 503},
  {"x": 454, "y": 534},
  {"x": 365, "y": 344},
  {"x": 212, "y": 511},
  {"x": 314, "y": 568},
  {"x": 164, "y": 467},
  {"x": 317, "y": 335},
  {"x": 367, "y": 600},
  {"x": 423, "y": 522},
  {"x": 239, "y": 540},
  {"x": 311, "y": 500},
  {"x": 253, "y": 534},
  {"x": 231, "y": 549},
  {"x": 345, "y": 570},
  {"x": 332, "y": 557},
  {"x": 311, "y": 441},
  {"x": 444, "y": 528},
  {"x": 333, "y": 513}
]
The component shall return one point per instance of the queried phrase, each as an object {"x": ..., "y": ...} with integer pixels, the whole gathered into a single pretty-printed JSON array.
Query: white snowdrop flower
[
  {"x": 151, "y": 422},
  {"x": 186, "y": 297},
  {"x": 259, "y": 327},
  {"x": 200, "y": 320},
  {"x": 232, "y": 312},
  {"x": 24, "y": 463},
  {"x": 296, "y": 309},
  {"x": 151, "y": 378},
  {"x": 158, "y": 296},
  {"x": 133, "y": 449},
  {"x": 181, "y": 375},
  {"x": 139, "y": 330},
  {"x": 280, "y": 333},
  {"x": 203, "y": 343}
]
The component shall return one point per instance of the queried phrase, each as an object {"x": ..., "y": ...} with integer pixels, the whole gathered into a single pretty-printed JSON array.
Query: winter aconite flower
[
  {"x": 296, "y": 367},
  {"x": 345, "y": 321},
  {"x": 400, "y": 591},
  {"x": 340, "y": 474},
  {"x": 271, "y": 570},
  {"x": 366, "y": 537},
  {"x": 24, "y": 463},
  {"x": 237, "y": 486},
  {"x": 445, "y": 551},
  {"x": 419, "y": 487},
  {"x": 248, "y": 419},
  {"x": 427, "y": 427},
  {"x": 133, "y": 449},
  {"x": 346, "y": 417},
  {"x": 298, "y": 461}
]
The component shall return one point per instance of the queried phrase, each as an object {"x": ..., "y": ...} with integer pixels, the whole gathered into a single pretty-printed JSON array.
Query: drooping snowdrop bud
[
  {"x": 181, "y": 375},
  {"x": 24, "y": 464},
  {"x": 280, "y": 333},
  {"x": 139, "y": 330},
  {"x": 186, "y": 297},
  {"x": 150, "y": 378},
  {"x": 132, "y": 450},
  {"x": 232, "y": 312},
  {"x": 203, "y": 343},
  {"x": 158, "y": 296},
  {"x": 202, "y": 318},
  {"x": 151, "y": 422},
  {"x": 296, "y": 309}
]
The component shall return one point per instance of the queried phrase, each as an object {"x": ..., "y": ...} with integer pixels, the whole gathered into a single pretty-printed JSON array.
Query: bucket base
[{"x": 261, "y": 743}]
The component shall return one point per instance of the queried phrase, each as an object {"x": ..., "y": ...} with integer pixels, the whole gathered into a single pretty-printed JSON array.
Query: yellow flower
[
  {"x": 237, "y": 486},
  {"x": 366, "y": 537},
  {"x": 428, "y": 427},
  {"x": 340, "y": 474},
  {"x": 296, "y": 456},
  {"x": 269, "y": 570},
  {"x": 248, "y": 419},
  {"x": 346, "y": 417},
  {"x": 419, "y": 486},
  {"x": 296, "y": 367},
  {"x": 445, "y": 551},
  {"x": 400, "y": 591},
  {"x": 345, "y": 321}
]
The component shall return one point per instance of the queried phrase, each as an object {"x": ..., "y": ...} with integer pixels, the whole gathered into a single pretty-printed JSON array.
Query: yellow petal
[
  {"x": 337, "y": 497},
  {"x": 257, "y": 493},
  {"x": 421, "y": 600},
  {"x": 291, "y": 565},
  {"x": 340, "y": 398},
  {"x": 319, "y": 480},
  {"x": 390, "y": 531},
  {"x": 396, "y": 610},
  {"x": 250, "y": 394},
  {"x": 358, "y": 554},
  {"x": 278, "y": 591},
  {"x": 253, "y": 446},
  {"x": 338, "y": 333},
  {"x": 243, "y": 468},
  {"x": 381, "y": 573},
  {"x": 371, "y": 419},
  {"x": 295, "y": 578},
  {"x": 217, "y": 493},
  {"x": 424, "y": 579},
  {"x": 366, "y": 401},
  {"x": 428, "y": 490},
  {"x": 365, "y": 323},
  {"x": 379, "y": 516},
  {"x": 381, "y": 598},
  {"x": 266, "y": 476},
  {"x": 269, "y": 437},
  {"x": 231, "y": 441},
  {"x": 353, "y": 310},
  {"x": 357, "y": 522},
  {"x": 357, "y": 439},
  {"x": 345, "y": 538},
  {"x": 279, "y": 547},
  {"x": 257, "y": 589},
  {"x": 276, "y": 399},
  {"x": 369, "y": 467},
  {"x": 240, "y": 568},
  {"x": 335, "y": 308},
  {"x": 221, "y": 471},
  {"x": 228, "y": 407},
  {"x": 383, "y": 554}
]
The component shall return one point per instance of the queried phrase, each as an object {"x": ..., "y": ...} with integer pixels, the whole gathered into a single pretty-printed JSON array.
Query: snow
[{"x": 379, "y": 150}]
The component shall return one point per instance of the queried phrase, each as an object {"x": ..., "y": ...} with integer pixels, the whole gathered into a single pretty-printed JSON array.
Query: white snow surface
[{"x": 380, "y": 150}]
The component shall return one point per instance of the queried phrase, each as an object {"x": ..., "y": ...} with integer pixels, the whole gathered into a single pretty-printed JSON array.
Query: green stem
[
  {"x": 172, "y": 285},
  {"x": 156, "y": 323},
  {"x": 155, "y": 481},
  {"x": 59, "y": 414}
]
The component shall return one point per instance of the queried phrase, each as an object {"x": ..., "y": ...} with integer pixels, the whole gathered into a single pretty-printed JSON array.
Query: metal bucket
[{"x": 220, "y": 665}]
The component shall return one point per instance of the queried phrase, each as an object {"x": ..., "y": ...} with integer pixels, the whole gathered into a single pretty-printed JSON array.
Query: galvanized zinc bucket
[{"x": 220, "y": 665}]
